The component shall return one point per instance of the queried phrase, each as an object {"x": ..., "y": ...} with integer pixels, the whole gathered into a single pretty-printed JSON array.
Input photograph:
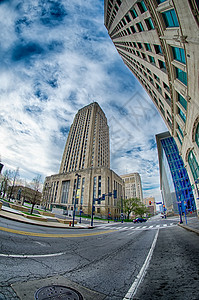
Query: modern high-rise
[
  {"x": 132, "y": 186},
  {"x": 174, "y": 181},
  {"x": 85, "y": 173},
  {"x": 158, "y": 41}
]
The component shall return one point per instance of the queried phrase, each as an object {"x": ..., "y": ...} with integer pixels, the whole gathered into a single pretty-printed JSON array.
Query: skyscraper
[
  {"x": 87, "y": 144},
  {"x": 158, "y": 41},
  {"x": 174, "y": 181},
  {"x": 85, "y": 172}
]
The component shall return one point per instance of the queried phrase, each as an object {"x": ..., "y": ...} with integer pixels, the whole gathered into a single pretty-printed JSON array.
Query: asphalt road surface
[{"x": 152, "y": 260}]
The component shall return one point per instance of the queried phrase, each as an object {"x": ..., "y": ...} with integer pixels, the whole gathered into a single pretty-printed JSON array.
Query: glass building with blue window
[{"x": 174, "y": 181}]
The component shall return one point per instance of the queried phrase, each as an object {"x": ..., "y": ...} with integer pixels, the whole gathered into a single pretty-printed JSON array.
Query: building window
[
  {"x": 139, "y": 27},
  {"x": 162, "y": 65},
  {"x": 193, "y": 165},
  {"x": 82, "y": 191},
  {"x": 133, "y": 13},
  {"x": 99, "y": 186},
  {"x": 182, "y": 101},
  {"x": 180, "y": 130},
  {"x": 147, "y": 46},
  {"x": 179, "y": 139},
  {"x": 160, "y": 1},
  {"x": 158, "y": 49},
  {"x": 181, "y": 75},
  {"x": 178, "y": 54},
  {"x": 65, "y": 191},
  {"x": 151, "y": 59},
  {"x": 128, "y": 18},
  {"x": 197, "y": 136},
  {"x": 170, "y": 18},
  {"x": 182, "y": 115},
  {"x": 133, "y": 29},
  {"x": 142, "y": 6},
  {"x": 94, "y": 187},
  {"x": 149, "y": 24}
]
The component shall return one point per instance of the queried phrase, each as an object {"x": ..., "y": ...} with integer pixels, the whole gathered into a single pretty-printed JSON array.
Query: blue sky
[{"x": 57, "y": 57}]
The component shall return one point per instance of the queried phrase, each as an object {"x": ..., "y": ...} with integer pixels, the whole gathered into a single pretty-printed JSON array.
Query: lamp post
[
  {"x": 180, "y": 208},
  {"x": 122, "y": 215},
  {"x": 78, "y": 176}
]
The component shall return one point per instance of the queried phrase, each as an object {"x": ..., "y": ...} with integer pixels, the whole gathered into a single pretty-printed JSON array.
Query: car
[{"x": 139, "y": 220}]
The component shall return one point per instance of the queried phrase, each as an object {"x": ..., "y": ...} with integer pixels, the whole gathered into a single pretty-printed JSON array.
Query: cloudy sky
[{"x": 55, "y": 58}]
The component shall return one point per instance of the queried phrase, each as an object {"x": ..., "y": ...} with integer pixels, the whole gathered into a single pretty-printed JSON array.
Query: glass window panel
[
  {"x": 197, "y": 135},
  {"x": 182, "y": 101},
  {"x": 182, "y": 115},
  {"x": 170, "y": 18},
  {"x": 181, "y": 75},
  {"x": 179, "y": 54},
  {"x": 193, "y": 165}
]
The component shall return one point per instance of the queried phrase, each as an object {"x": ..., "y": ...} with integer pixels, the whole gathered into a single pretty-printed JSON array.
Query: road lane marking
[
  {"x": 164, "y": 225},
  {"x": 31, "y": 255},
  {"x": 137, "y": 227},
  {"x": 133, "y": 289},
  {"x": 55, "y": 235},
  {"x": 157, "y": 226},
  {"x": 151, "y": 226}
]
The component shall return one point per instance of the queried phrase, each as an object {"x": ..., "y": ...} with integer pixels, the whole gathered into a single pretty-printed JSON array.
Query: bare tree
[
  {"x": 15, "y": 175},
  {"x": 5, "y": 182},
  {"x": 36, "y": 199}
]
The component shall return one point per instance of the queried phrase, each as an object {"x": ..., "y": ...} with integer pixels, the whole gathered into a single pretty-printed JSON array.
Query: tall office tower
[
  {"x": 87, "y": 144},
  {"x": 158, "y": 41},
  {"x": 85, "y": 173},
  {"x": 174, "y": 181},
  {"x": 132, "y": 186}
]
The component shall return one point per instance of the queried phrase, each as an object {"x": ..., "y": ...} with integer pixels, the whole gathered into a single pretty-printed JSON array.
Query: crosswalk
[{"x": 135, "y": 228}]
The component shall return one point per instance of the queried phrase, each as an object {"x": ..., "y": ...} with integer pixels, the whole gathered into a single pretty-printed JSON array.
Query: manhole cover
[{"x": 57, "y": 292}]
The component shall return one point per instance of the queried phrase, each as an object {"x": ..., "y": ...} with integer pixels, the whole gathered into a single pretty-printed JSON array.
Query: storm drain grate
[{"x": 57, "y": 292}]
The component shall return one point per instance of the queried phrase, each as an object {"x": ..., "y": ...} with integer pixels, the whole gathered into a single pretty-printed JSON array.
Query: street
[{"x": 104, "y": 261}]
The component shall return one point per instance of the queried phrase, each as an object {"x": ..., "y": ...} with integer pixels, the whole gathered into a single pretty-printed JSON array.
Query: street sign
[{"x": 158, "y": 202}]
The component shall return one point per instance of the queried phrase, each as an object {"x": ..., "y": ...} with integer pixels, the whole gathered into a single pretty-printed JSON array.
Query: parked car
[{"x": 139, "y": 220}]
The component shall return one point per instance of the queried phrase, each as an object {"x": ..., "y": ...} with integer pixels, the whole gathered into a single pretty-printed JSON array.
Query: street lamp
[{"x": 74, "y": 209}]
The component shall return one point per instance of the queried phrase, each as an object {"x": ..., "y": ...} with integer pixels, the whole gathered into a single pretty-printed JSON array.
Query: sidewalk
[
  {"x": 16, "y": 215},
  {"x": 192, "y": 224}
]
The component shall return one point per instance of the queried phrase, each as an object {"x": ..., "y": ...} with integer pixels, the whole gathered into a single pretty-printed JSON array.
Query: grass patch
[{"x": 26, "y": 213}]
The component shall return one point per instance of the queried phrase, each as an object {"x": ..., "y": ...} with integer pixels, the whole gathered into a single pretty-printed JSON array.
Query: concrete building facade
[
  {"x": 149, "y": 202},
  {"x": 132, "y": 186},
  {"x": 158, "y": 41},
  {"x": 85, "y": 168}
]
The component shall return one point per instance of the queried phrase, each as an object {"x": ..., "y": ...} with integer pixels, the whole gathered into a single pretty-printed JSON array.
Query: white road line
[
  {"x": 137, "y": 227},
  {"x": 144, "y": 227},
  {"x": 171, "y": 224},
  {"x": 157, "y": 226},
  {"x": 133, "y": 289},
  {"x": 31, "y": 256},
  {"x": 151, "y": 226},
  {"x": 164, "y": 225},
  {"x": 132, "y": 232}
]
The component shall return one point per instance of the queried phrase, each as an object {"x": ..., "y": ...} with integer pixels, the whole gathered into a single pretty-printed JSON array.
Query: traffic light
[
  {"x": 149, "y": 202},
  {"x": 115, "y": 194},
  {"x": 103, "y": 197}
]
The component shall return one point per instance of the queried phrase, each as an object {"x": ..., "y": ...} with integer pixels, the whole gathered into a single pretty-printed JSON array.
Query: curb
[
  {"x": 46, "y": 225},
  {"x": 189, "y": 228}
]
